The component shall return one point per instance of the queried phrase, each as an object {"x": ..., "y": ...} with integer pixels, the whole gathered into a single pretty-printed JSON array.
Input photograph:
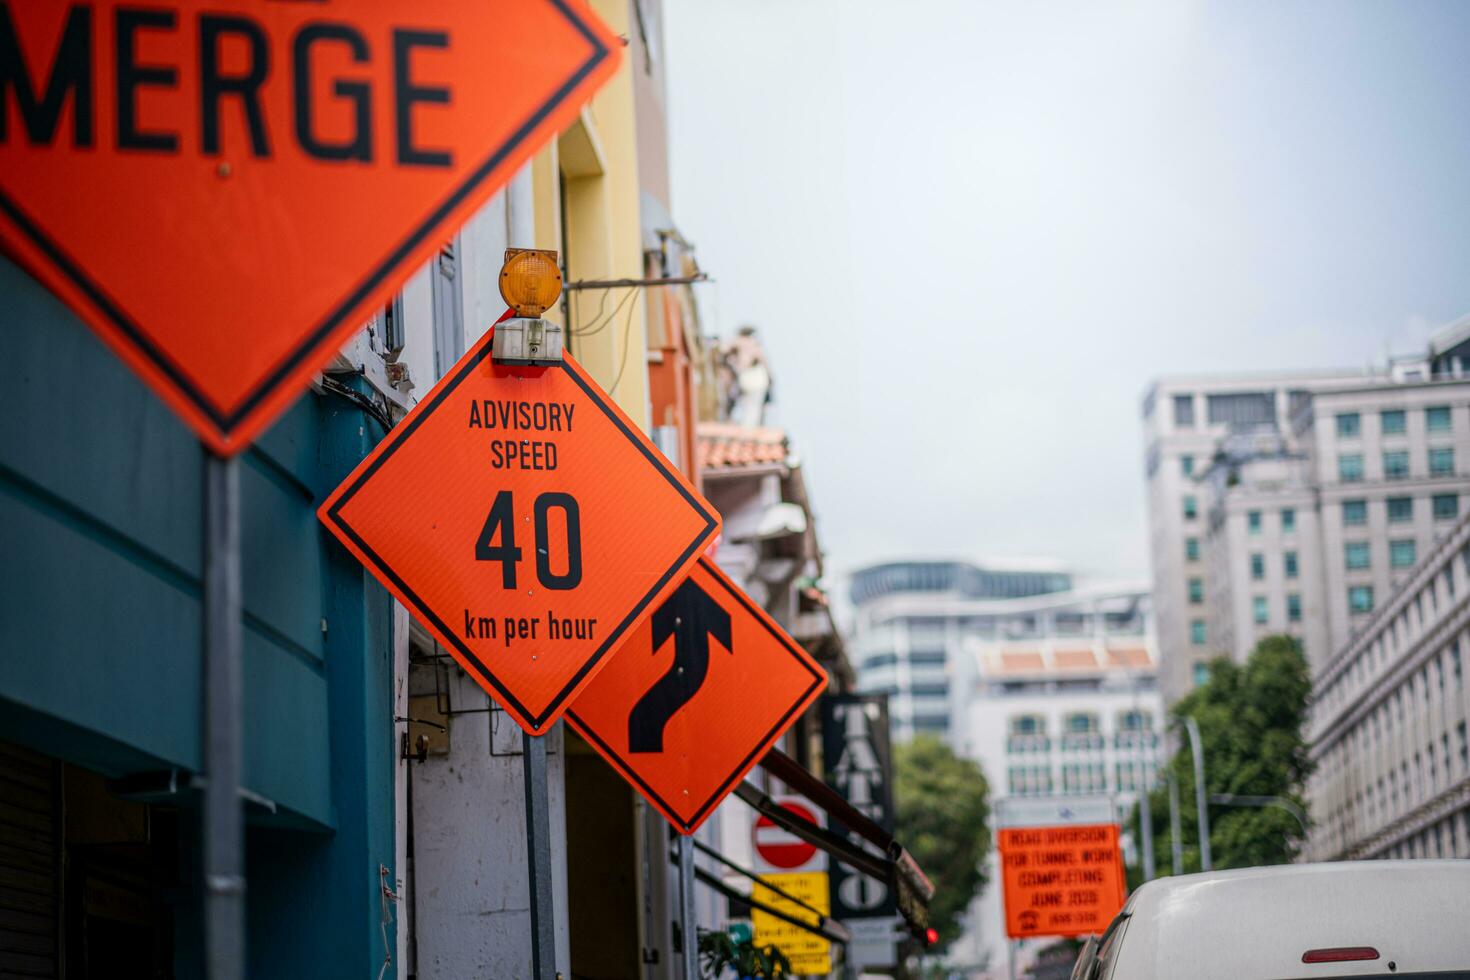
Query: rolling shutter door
[{"x": 29, "y": 889}]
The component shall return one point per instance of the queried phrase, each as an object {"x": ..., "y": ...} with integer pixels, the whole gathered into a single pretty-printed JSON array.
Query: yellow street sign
[{"x": 809, "y": 953}]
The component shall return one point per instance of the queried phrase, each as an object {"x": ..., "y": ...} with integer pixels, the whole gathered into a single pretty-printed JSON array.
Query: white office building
[
  {"x": 1187, "y": 420},
  {"x": 1389, "y": 715},
  {"x": 1049, "y": 682},
  {"x": 1294, "y": 505}
]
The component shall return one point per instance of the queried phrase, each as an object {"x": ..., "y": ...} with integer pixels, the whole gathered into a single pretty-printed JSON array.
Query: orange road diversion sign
[
  {"x": 226, "y": 190},
  {"x": 1061, "y": 881},
  {"x": 696, "y": 696},
  {"x": 526, "y": 522}
]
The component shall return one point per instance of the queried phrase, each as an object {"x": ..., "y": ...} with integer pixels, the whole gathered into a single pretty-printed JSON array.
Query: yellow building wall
[{"x": 598, "y": 161}]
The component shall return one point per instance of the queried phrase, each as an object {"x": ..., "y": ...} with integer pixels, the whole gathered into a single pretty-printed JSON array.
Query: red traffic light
[{"x": 931, "y": 936}]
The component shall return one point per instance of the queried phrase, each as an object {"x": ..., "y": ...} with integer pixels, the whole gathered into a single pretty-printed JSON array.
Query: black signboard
[{"x": 858, "y": 763}]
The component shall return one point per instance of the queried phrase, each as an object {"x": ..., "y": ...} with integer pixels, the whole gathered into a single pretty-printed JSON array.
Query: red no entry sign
[{"x": 780, "y": 848}]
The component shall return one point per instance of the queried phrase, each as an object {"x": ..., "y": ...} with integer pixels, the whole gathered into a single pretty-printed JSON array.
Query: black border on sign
[
  {"x": 400, "y": 434},
  {"x": 802, "y": 657},
  {"x": 227, "y": 422}
]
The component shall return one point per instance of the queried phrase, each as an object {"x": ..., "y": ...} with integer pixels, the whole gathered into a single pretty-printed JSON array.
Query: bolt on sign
[
  {"x": 810, "y": 953},
  {"x": 526, "y": 522},
  {"x": 226, "y": 192},
  {"x": 1061, "y": 867},
  {"x": 696, "y": 696}
]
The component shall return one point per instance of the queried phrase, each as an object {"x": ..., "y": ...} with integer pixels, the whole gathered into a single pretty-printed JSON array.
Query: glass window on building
[
  {"x": 1392, "y": 422},
  {"x": 1360, "y": 599},
  {"x": 1354, "y": 512},
  {"x": 1196, "y": 591},
  {"x": 1201, "y": 674},
  {"x": 1186, "y": 465},
  {"x": 1135, "y": 721},
  {"x": 1184, "y": 411},
  {"x": 1350, "y": 468},
  {"x": 1028, "y": 725},
  {"x": 1258, "y": 566},
  {"x": 1401, "y": 553},
  {"x": 1294, "y": 608},
  {"x": 879, "y": 660},
  {"x": 1356, "y": 554},
  {"x": 1442, "y": 461},
  {"x": 1437, "y": 418},
  {"x": 1446, "y": 506},
  {"x": 1191, "y": 508},
  {"x": 1260, "y": 610},
  {"x": 1289, "y": 564},
  {"x": 1348, "y": 425},
  {"x": 1288, "y": 520},
  {"x": 1396, "y": 465},
  {"x": 1191, "y": 549},
  {"x": 1197, "y": 632},
  {"x": 1244, "y": 408},
  {"x": 1400, "y": 509},
  {"x": 1253, "y": 521},
  {"x": 1081, "y": 723}
]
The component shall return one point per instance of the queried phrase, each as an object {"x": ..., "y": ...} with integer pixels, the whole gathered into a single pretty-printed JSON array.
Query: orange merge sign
[
  {"x": 226, "y": 190},
  {"x": 696, "y": 696},
  {"x": 526, "y": 522},
  {"x": 1061, "y": 881}
]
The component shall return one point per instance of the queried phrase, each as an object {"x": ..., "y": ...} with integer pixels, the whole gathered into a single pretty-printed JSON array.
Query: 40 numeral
[{"x": 501, "y": 524}]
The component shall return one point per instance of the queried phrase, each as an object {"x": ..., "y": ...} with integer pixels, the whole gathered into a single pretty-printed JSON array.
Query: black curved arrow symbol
[{"x": 692, "y": 617}]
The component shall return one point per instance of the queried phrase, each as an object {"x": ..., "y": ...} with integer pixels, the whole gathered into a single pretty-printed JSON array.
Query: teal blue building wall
[{"x": 100, "y": 628}]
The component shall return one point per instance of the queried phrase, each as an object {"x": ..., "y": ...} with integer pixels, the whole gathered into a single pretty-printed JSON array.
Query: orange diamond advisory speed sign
[
  {"x": 696, "y": 696},
  {"x": 226, "y": 190},
  {"x": 526, "y": 522}
]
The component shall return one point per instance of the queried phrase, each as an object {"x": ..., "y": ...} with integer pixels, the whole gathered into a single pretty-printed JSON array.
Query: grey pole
[
  {"x": 224, "y": 876},
  {"x": 688, "y": 926},
  {"x": 1176, "y": 843},
  {"x": 1146, "y": 825},
  {"x": 1201, "y": 803},
  {"x": 538, "y": 858}
]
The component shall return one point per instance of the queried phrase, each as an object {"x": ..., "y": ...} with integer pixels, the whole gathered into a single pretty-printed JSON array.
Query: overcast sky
[{"x": 971, "y": 233}]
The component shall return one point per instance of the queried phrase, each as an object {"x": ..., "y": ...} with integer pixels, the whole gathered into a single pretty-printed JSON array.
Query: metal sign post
[
  {"x": 538, "y": 858},
  {"x": 224, "y": 878},
  {"x": 688, "y": 926}
]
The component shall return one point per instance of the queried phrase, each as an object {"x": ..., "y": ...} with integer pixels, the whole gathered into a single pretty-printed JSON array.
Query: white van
[{"x": 1409, "y": 920}]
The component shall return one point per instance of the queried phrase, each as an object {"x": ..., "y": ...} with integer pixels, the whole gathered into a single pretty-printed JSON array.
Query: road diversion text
[{"x": 500, "y": 415}]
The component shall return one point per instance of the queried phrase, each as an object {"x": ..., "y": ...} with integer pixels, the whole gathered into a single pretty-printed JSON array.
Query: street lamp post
[
  {"x": 1201, "y": 804},
  {"x": 1280, "y": 802}
]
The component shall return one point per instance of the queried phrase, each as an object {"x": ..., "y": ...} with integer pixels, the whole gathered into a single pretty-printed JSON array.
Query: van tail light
[{"x": 1340, "y": 954}]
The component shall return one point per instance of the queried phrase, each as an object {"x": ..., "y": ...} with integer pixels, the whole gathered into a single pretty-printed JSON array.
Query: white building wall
[
  {"x": 991, "y": 714},
  {"x": 471, "y": 897},
  {"x": 1389, "y": 722},
  {"x": 1376, "y": 488},
  {"x": 1168, "y": 485}
]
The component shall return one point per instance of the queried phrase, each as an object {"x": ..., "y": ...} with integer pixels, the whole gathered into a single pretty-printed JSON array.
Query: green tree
[
  {"x": 943, "y": 818},
  {"x": 1251, "y": 718}
]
